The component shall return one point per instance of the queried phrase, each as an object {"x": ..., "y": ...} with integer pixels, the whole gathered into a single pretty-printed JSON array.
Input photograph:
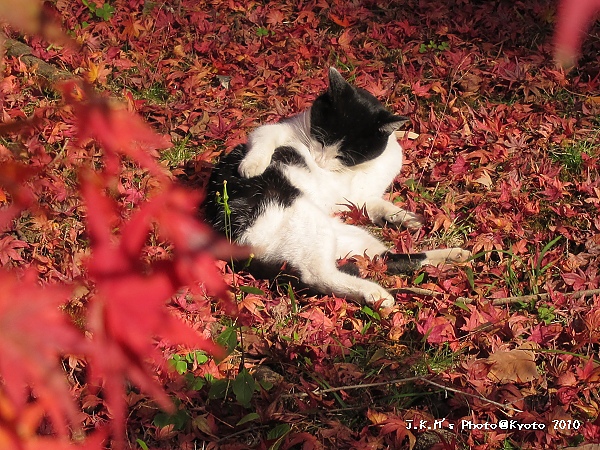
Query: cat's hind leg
[
  {"x": 307, "y": 239},
  {"x": 352, "y": 240},
  {"x": 327, "y": 278}
]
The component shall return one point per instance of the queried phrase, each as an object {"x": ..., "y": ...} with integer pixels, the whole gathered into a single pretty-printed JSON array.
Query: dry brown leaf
[
  {"x": 559, "y": 414},
  {"x": 470, "y": 83},
  {"x": 593, "y": 100},
  {"x": 513, "y": 366},
  {"x": 485, "y": 179},
  {"x": 590, "y": 409},
  {"x": 264, "y": 373}
]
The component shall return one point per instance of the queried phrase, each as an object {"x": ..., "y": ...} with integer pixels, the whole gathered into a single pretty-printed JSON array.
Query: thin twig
[
  {"x": 500, "y": 405},
  {"x": 498, "y": 301},
  {"x": 532, "y": 297},
  {"x": 415, "y": 290},
  {"x": 252, "y": 429},
  {"x": 319, "y": 391}
]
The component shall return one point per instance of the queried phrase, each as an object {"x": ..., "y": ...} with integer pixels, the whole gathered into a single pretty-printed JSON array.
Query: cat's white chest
[
  {"x": 323, "y": 188},
  {"x": 332, "y": 190},
  {"x": 369, "y": 180}
]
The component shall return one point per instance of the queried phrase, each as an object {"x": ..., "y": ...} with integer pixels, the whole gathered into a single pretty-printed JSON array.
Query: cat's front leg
[
  {"x": 262, "y": 143},
  {"x": 381, "y": 211},
  {"x": 266, "y": 139}
]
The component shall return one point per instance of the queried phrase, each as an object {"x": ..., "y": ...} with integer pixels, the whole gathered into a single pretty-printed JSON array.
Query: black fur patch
[
  {"x": 248, "y": 197},
  {"x": 350, "y": 268},
  {"x": 352, "y": 118},
  {"x": 403, "y": 262},
  {"x": 289, "y": 156}
]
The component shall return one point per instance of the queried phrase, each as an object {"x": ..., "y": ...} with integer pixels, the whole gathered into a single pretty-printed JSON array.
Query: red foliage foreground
[
  {"x": 109, "y": 278},
  {"x": 126, "y": 301}
]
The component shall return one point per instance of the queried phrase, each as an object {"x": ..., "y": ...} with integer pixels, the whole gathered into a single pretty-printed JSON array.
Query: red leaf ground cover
[{"x": 110, "y": 332}]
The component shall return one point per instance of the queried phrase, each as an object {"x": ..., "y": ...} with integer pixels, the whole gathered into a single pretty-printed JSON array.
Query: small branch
[
  {"x": 491, "y": 402},
  {"x": 416, "y": 291},
  {"x": 25, "y": 53},
  {"x": 251, "y": 429},
  {"x": 497, "y": 301},
  {"x": 319, "y": 391},
  {"x": 532, "y": 297},
  {"x": 400, "y": 381}
]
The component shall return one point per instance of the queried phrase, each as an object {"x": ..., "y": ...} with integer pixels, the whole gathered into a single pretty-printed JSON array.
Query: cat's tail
[{"x": 411, "y": 262}]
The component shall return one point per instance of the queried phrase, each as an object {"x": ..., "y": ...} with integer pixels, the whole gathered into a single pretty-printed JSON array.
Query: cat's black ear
[
  {"x": 337, "y": 84},
  {"x": 392, "y": 124}
]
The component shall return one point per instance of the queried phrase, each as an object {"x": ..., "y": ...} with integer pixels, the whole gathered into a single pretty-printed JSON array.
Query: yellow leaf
[
  {"x": 376, "y": 417},
  {"x": 593, "y": 100},
  {"x": 97, "y": 73},
  {"x": 92, "y": 74},
  {"x": 179, "y": 51}
]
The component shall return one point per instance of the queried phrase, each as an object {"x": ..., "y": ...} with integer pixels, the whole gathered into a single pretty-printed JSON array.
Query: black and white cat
[{"x": 287, "y": 183}]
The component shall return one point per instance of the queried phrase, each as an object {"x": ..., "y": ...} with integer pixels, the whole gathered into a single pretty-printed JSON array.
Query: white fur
[
  {"x": 283, "y": 233},
  {"x": 263, "y": 141},
  {"x": 361, "y": 185}
]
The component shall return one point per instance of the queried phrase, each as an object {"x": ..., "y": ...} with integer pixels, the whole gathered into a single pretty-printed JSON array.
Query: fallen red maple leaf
[
  {"x": 436, "y": 329},
  {"x": 398, "y": 428},
  {"x": 342, "y": 21},
  {"x": 13, "y": 178}
]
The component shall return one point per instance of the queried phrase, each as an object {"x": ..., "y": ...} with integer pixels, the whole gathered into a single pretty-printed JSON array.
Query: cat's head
[{"x": 352, "y": 120}]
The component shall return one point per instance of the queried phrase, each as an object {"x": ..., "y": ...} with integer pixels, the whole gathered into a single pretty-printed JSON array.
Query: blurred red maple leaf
[
  {"x": 129, "y": 309},
  {"x": 34, "y": 334},
  {"x": 574, "y": 17},
  {"x": 118, "y": 131},
  {"x": 8, "y": 246}
]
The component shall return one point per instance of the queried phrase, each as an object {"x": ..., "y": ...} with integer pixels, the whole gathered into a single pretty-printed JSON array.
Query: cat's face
[{"x": 352, "y": 121}]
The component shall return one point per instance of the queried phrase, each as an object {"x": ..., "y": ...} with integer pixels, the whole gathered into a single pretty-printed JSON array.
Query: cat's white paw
[
  {"x": 254, "y": 164},
  {"x": 447, "y": 255},
  {"x": 407, "y": 219},
  {"x": 380, "y": 294},
  {"x": 459, "y": 255}
]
